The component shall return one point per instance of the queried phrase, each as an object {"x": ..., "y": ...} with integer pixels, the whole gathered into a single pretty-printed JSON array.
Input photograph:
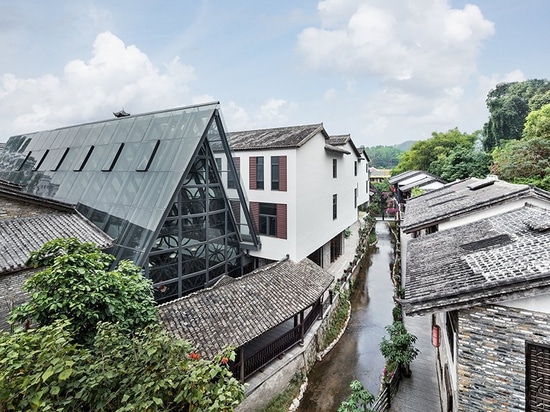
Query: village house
[
  {"x": 305, "y": 189},
  {"x": 480, "y": 267}
]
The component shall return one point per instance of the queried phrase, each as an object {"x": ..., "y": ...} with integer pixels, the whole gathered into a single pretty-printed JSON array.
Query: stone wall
[
  {"x": 11, "y": 294},
  {"x": 11, "y": 209},
  {"x": 491, "y": 356}
]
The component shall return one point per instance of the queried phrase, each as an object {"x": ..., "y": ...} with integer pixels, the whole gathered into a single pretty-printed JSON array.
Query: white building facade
[{"x": 304, "y": 188}]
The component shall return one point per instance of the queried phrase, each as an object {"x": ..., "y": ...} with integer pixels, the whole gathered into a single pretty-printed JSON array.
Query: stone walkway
[{"x": 420, "y": 392}]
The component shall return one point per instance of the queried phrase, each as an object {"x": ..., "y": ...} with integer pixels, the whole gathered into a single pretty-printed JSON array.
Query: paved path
[{"x": 420, "y": 392}]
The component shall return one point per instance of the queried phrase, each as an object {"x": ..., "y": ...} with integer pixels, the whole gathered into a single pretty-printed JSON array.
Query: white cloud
[
  {"x": 400, "y": 43},
  {"x": 116, "y": 76}
]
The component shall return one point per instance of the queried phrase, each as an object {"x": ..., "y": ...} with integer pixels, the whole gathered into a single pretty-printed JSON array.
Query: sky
[{"x": 383, "y": 71}]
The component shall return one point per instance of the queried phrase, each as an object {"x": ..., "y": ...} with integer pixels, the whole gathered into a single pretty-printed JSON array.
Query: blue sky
[{"x": 384, "y": 71}]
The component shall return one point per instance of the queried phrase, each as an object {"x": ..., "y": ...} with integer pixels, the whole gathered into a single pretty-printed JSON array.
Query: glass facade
[{"x": 152, "y": 183}]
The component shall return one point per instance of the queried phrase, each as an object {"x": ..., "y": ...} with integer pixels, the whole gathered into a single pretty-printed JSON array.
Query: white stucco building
[{"x": 304, "y": 189}]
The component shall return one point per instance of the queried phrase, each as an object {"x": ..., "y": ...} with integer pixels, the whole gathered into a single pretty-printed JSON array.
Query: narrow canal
[{"x": 357, "y": 354}]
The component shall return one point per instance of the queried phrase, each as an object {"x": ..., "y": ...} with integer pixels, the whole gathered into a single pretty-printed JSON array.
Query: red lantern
[{"x": 436, "y": 334}]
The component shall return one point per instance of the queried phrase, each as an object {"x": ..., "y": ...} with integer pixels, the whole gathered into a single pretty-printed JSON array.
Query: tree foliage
[
  {"x": 384, "y": 157},
  {"x": 77, "y": 285},
  {"x": 537, "y": 124},
  {"x": 360, "y": 399},
  {"x": 399, "y": 348},
  {"x": 42, "y": 369},
  {"x": 424, "y": 152},
  {"x": 524, "y": 161},
  {"x": 462, "y": 163},
  {"x": 509, "y": 104}
]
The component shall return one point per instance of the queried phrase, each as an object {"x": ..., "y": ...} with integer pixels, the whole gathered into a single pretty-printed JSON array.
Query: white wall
[
  {"x": 310, "y": 187},
  {"x": 539, "y": 303}
]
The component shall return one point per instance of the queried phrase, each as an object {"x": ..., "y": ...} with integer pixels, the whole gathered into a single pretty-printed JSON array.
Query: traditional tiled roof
[
  {"x": 462, "y": 197},
  {"x": 234, "y": 313},
  {"x": 277, "y": 138},
  {"x": 342, "y": 140},
  {"x": 421, "y": 181},
  {"x": 380, "y": 173},
  {"x": 20, "y": 236},
  {"x": 336, "y": 149},
  {"x": 499, "y": 258},
  {"x": 403, "y": 176}
]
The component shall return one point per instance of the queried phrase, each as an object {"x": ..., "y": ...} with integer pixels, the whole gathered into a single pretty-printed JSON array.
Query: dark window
[
  {"x": 259, "y": 172},
  {"x": 334, "y": 168},
  {"x": 41, "y": 160},
  {"x": 274, "y": 172},
  {"x": 355, "y": 198},
  {"x": 148, "y": 156},
  {"x": 334, "y": 206},
  {"x": 231, "y": 178},
  {"x": 451, "y": 325},
  {"x": 537, "y": 384},
  {"x": 87, "y": 152},
  {"x": 112, "y": 159},
  {"x": 268, "y": 219},
  {"x": 355, "y": 168}
]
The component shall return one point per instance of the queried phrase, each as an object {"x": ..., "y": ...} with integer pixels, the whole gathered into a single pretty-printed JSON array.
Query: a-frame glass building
[{"x": 162, "y": 184}]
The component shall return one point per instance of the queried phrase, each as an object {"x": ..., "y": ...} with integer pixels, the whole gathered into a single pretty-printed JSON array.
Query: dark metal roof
[
  {"x": 20, "y": 236},
  {"x": 495, "y": 259},
  {"x": 277, "y": 138},
  {"x": 462, "y": 197},
  {"x": 234, "y": 313}
]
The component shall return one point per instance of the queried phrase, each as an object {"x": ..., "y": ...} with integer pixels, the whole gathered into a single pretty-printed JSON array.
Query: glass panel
[
  {"x": 122, "y": 131},
  {"x": 83, "y": 159},
  {"x": 140, "y": 127},
  {"x": 98, "y": 156},
  {"x": 132, "y": 184},
  {"x": 106, "y": 133},
  {"x": 111, "y": 158},
  {"x": 160, "y": 122},
  {"x": 147, "y": 156}
]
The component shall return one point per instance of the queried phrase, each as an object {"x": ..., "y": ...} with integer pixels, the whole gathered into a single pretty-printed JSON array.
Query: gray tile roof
[
  {"x": 498, "y": 258},
  {"x": 462, "y": 197},
  {"x": 20, "y": 236},
  {"x": 403, "y": 176},
  {"x": 234, "y": 313},
  {"x": 336, "y": 149},
  {"x": 420, "y": 181},
  {"x": 277, "y": 138}
]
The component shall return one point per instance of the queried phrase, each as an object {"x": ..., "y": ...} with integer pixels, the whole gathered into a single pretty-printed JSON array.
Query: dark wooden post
[
  {"x": 302, "y": 327},
  {"x": 242, "y": 364}
]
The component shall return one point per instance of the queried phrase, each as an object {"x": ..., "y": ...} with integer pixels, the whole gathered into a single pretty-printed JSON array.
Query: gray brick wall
[
  {"x": 491, "y": 356},
  {"x": 11, "y": 294}
]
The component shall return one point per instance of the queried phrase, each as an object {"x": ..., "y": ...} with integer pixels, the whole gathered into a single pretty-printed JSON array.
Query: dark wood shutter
[
  {"x": 252, "y": 173},
  {"x": 281, "y": 221},
  {"x": 282, "y": 174},
  {"x": 255, "y": 213}
]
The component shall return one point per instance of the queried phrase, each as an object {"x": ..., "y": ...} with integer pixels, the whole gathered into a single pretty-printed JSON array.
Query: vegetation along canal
[{"x": 357, "y": 354}]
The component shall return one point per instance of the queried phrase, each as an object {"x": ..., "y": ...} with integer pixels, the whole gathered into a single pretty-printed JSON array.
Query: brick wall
[
  {"x": 491, "y": 356},
  {"x": 11, "y": 294}
]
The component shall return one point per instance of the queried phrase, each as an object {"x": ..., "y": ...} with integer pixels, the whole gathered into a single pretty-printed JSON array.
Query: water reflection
[{"x": 357, "y": 355}]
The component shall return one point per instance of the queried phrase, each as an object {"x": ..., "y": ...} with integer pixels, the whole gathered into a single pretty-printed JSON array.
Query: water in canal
[{"x": 357, "y": 354}]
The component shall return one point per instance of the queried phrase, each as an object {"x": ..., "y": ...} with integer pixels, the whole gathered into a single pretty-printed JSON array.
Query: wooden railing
[
  {"x": 387, "y": 392},
  {"x": 277, "y": 347}
]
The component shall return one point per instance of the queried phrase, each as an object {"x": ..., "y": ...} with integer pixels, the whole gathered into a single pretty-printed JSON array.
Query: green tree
[
  {"x": 77, "y": 285},
  {"x": 509, "y": 105},
  {"x": 384, "y": 157},
  {"x": 424, "y": 152},
  {"x": 360, "y": 399},
  {"x": 537, "y": 124},
  {"x": 42, "y": 369},
  {"x": 461, "y": 163},
  {"x": 524, "y": 161},
  {"x": 399, "y": 348}
]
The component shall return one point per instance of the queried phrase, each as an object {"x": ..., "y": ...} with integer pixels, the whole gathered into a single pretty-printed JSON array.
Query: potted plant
[{"x": 399, "y": 348}]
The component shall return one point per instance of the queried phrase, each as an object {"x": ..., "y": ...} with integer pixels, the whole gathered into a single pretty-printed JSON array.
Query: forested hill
[{"x": 387, "y": 157}]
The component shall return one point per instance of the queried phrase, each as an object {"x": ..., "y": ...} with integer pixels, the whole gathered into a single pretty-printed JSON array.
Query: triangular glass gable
[{"x": 134, "y": 177}]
